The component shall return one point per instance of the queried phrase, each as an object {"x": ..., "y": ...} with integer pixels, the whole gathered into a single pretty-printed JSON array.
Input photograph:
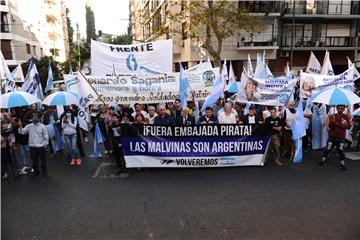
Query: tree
[
  {"x": 201, "y": 20},
  {"x": 70, "y": 29},
  {"x": 124, "y": 39},
  {"x": 74, "y": 57},
  {"x": 42, "y": 67},
  {"x": 90, "y": 25}
]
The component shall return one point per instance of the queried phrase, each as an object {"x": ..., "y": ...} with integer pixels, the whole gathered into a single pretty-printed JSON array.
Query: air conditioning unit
[{"x": 284, "y": 53}]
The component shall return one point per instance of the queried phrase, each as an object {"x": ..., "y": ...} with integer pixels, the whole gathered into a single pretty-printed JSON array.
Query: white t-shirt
[
  {"x": 223, "y": 119},
  {"x": 251, "y": 119}
]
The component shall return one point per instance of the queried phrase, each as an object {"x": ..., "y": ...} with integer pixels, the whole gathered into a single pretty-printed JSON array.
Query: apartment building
[
  {"x": 316, "y": 26},
  {"x": 33, "y": 28}
]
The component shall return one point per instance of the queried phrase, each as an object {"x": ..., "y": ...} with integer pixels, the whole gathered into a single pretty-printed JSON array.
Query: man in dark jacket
[
  {"x": 163, "y": 118},
  {"x": 251, "y": 117},
  {"x": 208, "y": 118},
  {"x": 185, "y": 118},
  {"x": 115, "y": 136}
]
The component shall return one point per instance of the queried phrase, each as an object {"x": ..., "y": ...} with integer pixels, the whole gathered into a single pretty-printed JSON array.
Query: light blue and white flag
[
  {"x": 298, "y": 131},
  {"x": 18, "y": 74},
  {"x": 7, "y": 81},
  {"x": 313, "y": 65},
  {"x": 50, "y": 79},
  {"x": 327, "y": 68},
  {"x": 260, "y": 69},
  {"x": 184, "y": 84},
  {"x": 232, "y": 86},
  {"x": 216, "y": 92},
  {"x": 249, "y": 67},
  {"x": 32, "y": 83},
  {"x": 98, "y": 139}
]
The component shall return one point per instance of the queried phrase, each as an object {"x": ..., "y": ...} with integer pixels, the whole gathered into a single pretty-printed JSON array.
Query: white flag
[
  {"x": 7, "y": 81},
  {"x": 232, "y": 85},
  {"x": 313, "y": 65},
  {"x": 18, "y": 74},
  {"x": 86, "y": 91},
  {"x": 249, "y": 67},
  {"x": 327, "y": 68},
  {"x": 356, "y": 73}
]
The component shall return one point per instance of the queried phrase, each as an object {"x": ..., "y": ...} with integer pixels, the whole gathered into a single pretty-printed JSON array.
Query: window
[
  {"x": 54, "y": 52},
  {"x": 34, "y": 50},
  {"x": 4, "y": 22},
  {"x": 41, "y": 52},
  {"x": 6, "y": 49},
  {"x": 28, "y": 51},
  {"x": 2, "y": 2}
]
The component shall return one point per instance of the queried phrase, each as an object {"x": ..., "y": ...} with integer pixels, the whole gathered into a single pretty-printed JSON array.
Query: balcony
[
  {"x": 321, "y": 9},
  {"x": 260, "y": 41},
  {"x": 328, "y": 42}
]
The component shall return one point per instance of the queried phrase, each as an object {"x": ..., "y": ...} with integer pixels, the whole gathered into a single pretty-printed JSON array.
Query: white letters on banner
[
  {"x": 310, "y": 83},
  {"x": 157, "y": 56},
  {"x": 149, "y": 88},
  {"x": 271, "y": 91}
]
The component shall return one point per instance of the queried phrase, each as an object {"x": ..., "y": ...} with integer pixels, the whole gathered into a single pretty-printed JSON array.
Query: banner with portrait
[
  {"x": 311, "y": 83},
  {"x": 194, "y": 146},
  {"x": 272, "y": 91}
]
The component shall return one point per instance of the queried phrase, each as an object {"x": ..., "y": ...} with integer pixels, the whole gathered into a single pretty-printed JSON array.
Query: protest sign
[
  {"x": 268, "y": 91},
  {"x": 156, "y": 56},
  {"x": 194, "y": 146},
  {"x": 310, "y": 83}
]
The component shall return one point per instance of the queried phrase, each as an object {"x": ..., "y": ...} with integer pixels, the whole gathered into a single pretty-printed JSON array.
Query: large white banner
[
  {"x": 310, "y": 83},
  {"x": 105, "y": 58},
  {"x": 201, "y": 82},
  {"x": 271, "y": 91}
]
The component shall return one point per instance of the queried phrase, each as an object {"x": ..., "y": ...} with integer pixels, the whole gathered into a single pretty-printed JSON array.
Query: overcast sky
[{"x": 109, "y": 15}]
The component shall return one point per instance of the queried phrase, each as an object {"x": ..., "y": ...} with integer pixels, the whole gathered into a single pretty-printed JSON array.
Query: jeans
[
  {"x": 25, "y": 154},
  {"x": 71, "y": 144},
  {"x": 35, "y": 154},
  {"x": 339, "y": 144}
]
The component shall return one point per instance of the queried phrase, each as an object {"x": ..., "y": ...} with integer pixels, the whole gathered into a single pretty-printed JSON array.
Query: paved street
[{"x": 88, "y": 202}]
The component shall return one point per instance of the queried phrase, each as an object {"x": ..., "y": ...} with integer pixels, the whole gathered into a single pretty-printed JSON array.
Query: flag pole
[{"x": 92, "y": 87}]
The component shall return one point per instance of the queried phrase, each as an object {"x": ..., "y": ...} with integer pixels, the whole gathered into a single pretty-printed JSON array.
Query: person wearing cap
[
  {"x": 208, "y": 117},
  {"x": 251, "y": 117},
  {"x": 338, "y": 124}
]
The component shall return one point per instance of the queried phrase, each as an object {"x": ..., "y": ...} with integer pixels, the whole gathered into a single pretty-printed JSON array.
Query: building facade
[
  {"x": 296, "y": 27},
  {"x": 33, "y": 28}
]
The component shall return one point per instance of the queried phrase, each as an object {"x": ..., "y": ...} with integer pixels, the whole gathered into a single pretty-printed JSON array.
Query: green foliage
[
  {"x": 42, "y": 67},
  {"x": 124, "y": 39},
  {"x": 90, "y": 25},
  {"x": 69, "y": 28},
  {"x": 204, "y": 19},
  {"x": 74, "y": 57}
]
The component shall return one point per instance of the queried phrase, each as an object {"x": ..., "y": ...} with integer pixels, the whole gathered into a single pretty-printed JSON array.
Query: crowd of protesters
[{"x": 38, "y": 133}]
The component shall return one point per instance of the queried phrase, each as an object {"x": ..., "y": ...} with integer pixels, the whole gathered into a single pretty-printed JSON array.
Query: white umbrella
[
  {"x": 61, "y": 99},
  {"x": 17, "y": 99},
  {"x": 336, "y": 96}
]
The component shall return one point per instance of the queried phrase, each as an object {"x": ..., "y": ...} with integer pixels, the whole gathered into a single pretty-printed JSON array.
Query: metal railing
[
  {"x": 261, "y": 6},
  {"x": 327, "y": 41},
  {"x": 321, "y": 7}
]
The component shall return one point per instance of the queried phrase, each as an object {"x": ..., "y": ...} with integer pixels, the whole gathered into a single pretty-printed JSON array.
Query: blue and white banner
[
  {"x": 150, "y": 56},
  {"x": 312, "y": 83},
  {"x": 194, "y": 146}
]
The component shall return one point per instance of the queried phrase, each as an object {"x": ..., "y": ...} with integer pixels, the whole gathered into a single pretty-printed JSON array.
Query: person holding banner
[
  {"x": 185, "y": 119},
  {"x": 208, "y": 118},
  {"x": 338, "y": 124},
  {"x": 227, "y": 116},
  {"x": 251, "y": 117},
  {"x": 163, "y": 118},
  {"x": 274, "y": 123}
]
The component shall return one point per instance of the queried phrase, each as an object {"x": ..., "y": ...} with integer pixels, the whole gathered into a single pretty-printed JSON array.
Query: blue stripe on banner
[{"x": 193, "y": 147}]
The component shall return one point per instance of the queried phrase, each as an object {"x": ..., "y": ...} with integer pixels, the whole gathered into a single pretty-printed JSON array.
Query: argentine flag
[
  {"x": 298, "y": 131},
  {"x": 184, "y": 84},
  {"x": 49, "y": 83},
  {"x": 98, "y": 139}
]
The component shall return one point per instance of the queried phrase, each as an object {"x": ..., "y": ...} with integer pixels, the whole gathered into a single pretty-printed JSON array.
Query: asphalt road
[{"x": 291, "y": 202}]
